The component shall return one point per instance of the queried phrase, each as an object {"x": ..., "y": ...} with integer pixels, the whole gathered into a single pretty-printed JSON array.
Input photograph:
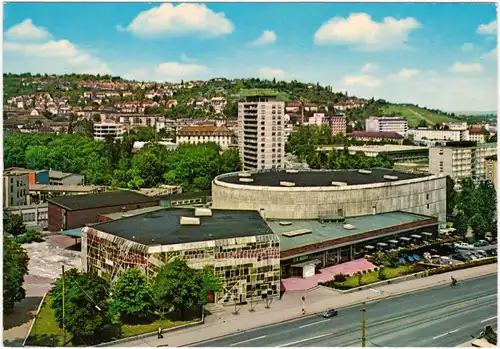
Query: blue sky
[{"x": 438, "y": 55}]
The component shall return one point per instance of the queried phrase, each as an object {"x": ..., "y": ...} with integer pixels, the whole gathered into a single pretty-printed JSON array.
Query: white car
[{"x": 463, "y": 246}]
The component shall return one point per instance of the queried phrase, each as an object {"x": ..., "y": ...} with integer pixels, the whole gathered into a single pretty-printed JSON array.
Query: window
[
  {"x": 428, "y": 206},
  {"x": 427, "y": 196}
]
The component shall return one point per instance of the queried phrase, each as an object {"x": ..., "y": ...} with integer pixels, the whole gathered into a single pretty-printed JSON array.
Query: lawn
[
  {"x": 281, "y": 96},
  {"x": 45, "y": 327},
  {"x": 371, "y": 277},
  {"x": 415, "y": 114}
]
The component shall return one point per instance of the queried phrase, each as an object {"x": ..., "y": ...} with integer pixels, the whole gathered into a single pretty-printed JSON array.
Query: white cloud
[
  {"x": 468, "y": 46},
  {"x": 360, "y": 30},
  {"x": 51, "y": 57},
  {"x": 459, "y": 67},
  {"x": 490, "y": 55},
  {"x": 181, "y": 20},
  {"x": 405, "y": 73},
  {"x": 368, "y": 68},
  {"x": 26, "y": 31},
  {"x": 169, "y": 71},
  {"x": 271, "y": 73},
  {"x": 362, "y": 80},
  {"x": 490, "y": 28},
  {"x": 268, "y": 37}
]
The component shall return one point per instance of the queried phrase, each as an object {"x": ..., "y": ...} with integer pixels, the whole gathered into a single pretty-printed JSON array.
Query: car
[
  {"x": 472, "y": 256},
  {"x": 481, "y": 253},
  {"x": 463, "y": 246},
  {"x": 460, "y": 257},
  {"x": 330, "y": 313},
  {"x": 481, "y": 243}
]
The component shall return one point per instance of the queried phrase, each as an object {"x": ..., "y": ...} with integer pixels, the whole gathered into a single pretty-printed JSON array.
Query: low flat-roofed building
[
  {"x": 34, "y": 216},
  {"x": 62, "y": 178},
  {"x": 332, "y": 240},
  {"x": 376, "y": 137},
  {"x": 185, "y": 199},
  {"x": 395, "y": 152},
  {"x": 74, "y": 211},
  {"x": 39, "y": 193},
  {"x": 238, "y": 245}
]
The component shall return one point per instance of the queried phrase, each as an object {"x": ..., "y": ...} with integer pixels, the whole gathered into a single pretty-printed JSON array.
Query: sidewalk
[{"x": 225, "y": 323}]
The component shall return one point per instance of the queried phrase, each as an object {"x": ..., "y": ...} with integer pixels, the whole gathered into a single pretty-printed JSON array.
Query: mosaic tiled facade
[{"x": 248, "y": 267}]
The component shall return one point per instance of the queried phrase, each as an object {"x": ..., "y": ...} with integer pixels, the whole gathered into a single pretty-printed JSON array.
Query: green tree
[
  {"x": 37, "y": 157},
  {"x": 15, "y": 268},
  {"x": 450, "y": 195},
  {"x": 85, "y": 301},
  {"x": 210, "y": 283},
  {"x": 178, "y": 286},
  {"x": 13, "y": 224},
  {"x": 132, "y": 298}
]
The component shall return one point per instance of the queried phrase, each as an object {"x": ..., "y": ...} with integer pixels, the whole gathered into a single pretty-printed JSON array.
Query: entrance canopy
[
  {"x": 393, "y": 241},
  {"x": 404, "y": 238},
  {"x": 381, "y": 244},
  {"x": 369, "y": 247},
  {"x": 426, "y": 233},
  {"x": 416, "y": 236}
]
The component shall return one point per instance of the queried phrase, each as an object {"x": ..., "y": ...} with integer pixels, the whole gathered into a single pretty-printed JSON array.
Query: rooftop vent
[
  {"x": 246, "y": 180},
  {"x": 339, "y": 184},
  {"x": 287, "y": 184},
  {"x": 349, "y": 227},
  {"x": 389, "y": 177},
  {"x": 292, "y": 171},
  {"x": 293, "y": 233},
  {"x": 190, "y": 221},
  {"x": 244, "y": 174},
  {"x": 285, "y": 223},
  {"x": 365, "y": 171},
  {"x": 203, "y": 212}
]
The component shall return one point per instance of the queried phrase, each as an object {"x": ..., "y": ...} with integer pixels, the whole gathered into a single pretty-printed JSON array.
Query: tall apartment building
[
  {"x": 15, "y": 187},
  {"x": 491, "y": 169},
  {"x": 261, "y": 137},
  {"x": 103, "y": 129},
  {"x": 396, "y": 124},
  {"x": 461, "y": 159}
]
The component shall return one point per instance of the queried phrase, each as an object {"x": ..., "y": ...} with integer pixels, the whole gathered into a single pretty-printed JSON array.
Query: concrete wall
[{"x": 425, "y": 196}]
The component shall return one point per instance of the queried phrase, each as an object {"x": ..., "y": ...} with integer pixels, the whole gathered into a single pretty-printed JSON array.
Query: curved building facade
[{"x": 314, "y": 193}]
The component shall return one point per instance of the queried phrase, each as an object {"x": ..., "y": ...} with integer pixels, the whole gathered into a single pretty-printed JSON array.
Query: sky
[{"x": 435, "y": 55}]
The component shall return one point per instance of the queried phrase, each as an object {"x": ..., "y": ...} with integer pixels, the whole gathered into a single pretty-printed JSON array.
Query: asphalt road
[{"x": 439, "y": 317}]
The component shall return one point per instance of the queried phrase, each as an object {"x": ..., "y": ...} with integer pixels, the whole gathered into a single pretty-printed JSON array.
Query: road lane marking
[
  {"x": 314, "y": 323},
  {"x": 248, "y": 340},
  {"x": 447, "y": 333},
  {"x": 304, "y": 340},
  {"x": 488, "y": 319}
]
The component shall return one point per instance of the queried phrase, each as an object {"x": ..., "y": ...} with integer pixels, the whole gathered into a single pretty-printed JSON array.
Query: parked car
[
  {"x": 463, "y": 246},
  {"x": 460, "y": 257},
  {"x": 330, "y": 313},
  {"x": 481, "y": 243},
  {"x": 481, "y": 253},
  {"x": 472, "y": 256}
]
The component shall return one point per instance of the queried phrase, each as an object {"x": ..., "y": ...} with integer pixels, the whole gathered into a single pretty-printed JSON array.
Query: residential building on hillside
[
  {"x": 261, "y": 137},
  {"x": 15, "y": 187},
  {"x": 196, "y": 134},
  {"x": 477, "y": 135},
  {"x": 387, "y": 124},
  {"x": 318, "y": 119},
  {"x": 456, "y": 126},
  {"x": 238, "y": 246},
  {"x": 105, "y": 129},
  {"x": 395, "y": 152},
  {"x": 218, "y": 103},
  {"x": 376, "y": 137},
  {"x": 491, "y": 169},
  {"x": 338, "y": 124},
  {"x": 442, "y": 135},
  {"x": 461, "y": 160}
]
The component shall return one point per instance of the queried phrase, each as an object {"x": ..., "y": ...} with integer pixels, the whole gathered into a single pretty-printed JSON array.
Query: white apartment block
[
  {"x": 461, "y": 161},
  {"x": 103, "y": 129},
  {"x": 261, "y": 138},
  {"x": 441, "y": 135},
  {"x": 456, "y": 126},
  {"x": 387, "y": 124},
  {"x": 318, "y": 119}
]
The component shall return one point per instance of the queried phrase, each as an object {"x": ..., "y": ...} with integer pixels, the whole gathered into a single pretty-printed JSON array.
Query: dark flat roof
[
  {"x": 164, "y": 226},
  {"x": 311, "y": 178},
  {"x": 90, "y": 201}
]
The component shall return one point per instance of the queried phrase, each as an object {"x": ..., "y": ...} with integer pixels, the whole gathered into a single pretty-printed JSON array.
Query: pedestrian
[
  {"x": 160, "y": 335},
  {"x": 303, "y": 305}
]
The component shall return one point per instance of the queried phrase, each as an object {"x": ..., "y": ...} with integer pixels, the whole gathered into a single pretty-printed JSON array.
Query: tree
[
  {"x": 132, "y": 298},
  {"x": 178, "y": 286},
  {"x": 422, "y": 123},
  {"x": 15, "y": 268},
  {"x": 85, "y": 301},
  {"x": 450, "y": 195},
  {"x": 210, "y": 283},
  {"x": 13, "y": 224}
]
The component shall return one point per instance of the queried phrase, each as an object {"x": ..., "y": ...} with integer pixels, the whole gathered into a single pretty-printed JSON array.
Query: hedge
[{"x": 471, "y": 264}]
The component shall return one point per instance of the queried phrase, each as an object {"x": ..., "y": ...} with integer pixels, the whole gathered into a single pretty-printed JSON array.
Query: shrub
[
  {"x": 340, "y": 277},
  {"x": 377, "y": 258},
  {"x": 29, "y": 237}
]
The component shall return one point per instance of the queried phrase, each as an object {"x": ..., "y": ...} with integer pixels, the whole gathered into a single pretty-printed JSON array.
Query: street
[{"x": 440, "y": 317}]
